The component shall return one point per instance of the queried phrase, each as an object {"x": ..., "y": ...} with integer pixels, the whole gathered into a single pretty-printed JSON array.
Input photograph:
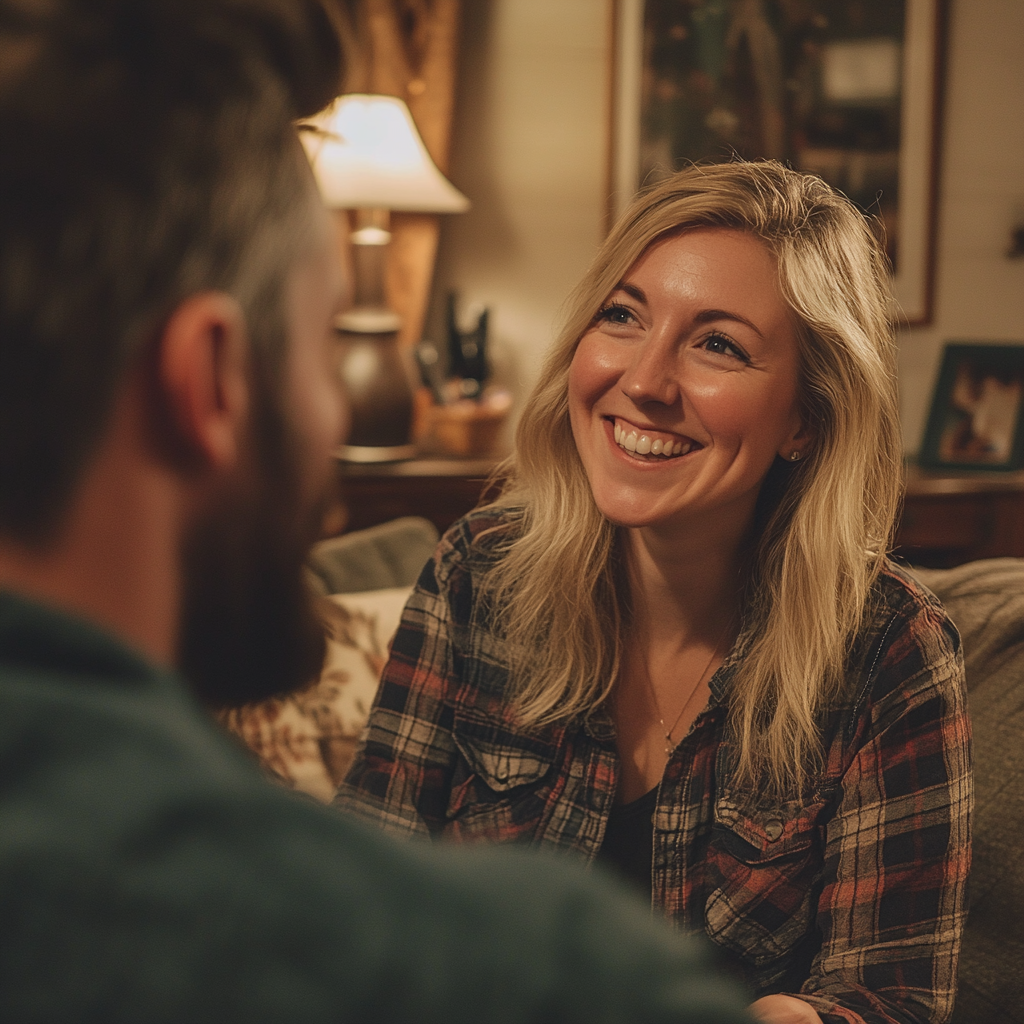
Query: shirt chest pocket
[
  {"x": 767, "y": 864},
  {"x": 498, "y": 784}
]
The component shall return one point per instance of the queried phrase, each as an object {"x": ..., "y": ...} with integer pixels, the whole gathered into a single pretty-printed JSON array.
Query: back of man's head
[{"x": 145, "y": 155}]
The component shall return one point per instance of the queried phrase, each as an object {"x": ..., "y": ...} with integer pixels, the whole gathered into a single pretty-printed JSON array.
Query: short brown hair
[{"x": 146, "y": 153}]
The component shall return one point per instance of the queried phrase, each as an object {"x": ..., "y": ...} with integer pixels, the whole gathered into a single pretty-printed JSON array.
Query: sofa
[
  {"x": 986, "y": 601},
  {"x": 363, "y": 579}
]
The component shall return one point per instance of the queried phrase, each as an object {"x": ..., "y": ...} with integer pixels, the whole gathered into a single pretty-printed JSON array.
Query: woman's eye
[
  {"x": 720, "y": 344},
  {"x": 616, "y": 314}
]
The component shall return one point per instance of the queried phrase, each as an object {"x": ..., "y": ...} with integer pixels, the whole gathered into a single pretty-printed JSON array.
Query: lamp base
[
  {"x": 376, "y": 453},
  {"x": 377, "y": 375}
]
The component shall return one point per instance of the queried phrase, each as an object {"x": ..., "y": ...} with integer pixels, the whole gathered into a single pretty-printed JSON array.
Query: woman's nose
[{"x": 652, "y": 375}]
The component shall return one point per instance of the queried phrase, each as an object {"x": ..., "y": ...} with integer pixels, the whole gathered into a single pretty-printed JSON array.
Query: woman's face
[{"x": 685, "y": 388}]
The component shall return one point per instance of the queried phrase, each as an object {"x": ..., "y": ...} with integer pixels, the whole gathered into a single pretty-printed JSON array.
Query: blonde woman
[{"x": 676, "y": 645}]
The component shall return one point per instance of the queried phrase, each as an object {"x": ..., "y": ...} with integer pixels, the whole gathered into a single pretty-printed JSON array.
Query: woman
[{"x": 675, "y": 643}]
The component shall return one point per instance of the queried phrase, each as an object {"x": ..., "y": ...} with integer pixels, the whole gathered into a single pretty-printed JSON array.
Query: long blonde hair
[{"x": 824, "y": 524}]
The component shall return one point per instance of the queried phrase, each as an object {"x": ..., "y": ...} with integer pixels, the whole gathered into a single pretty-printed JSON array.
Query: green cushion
[{"x": 390, "y": 555}]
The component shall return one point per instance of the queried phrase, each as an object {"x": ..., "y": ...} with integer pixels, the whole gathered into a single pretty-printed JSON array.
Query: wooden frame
[
  {"x": 899, "y": 78},
  {"x": 977, "y": 414}
]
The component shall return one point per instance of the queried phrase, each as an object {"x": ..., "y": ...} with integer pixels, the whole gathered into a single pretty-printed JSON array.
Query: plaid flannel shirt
[{"x": 852, "y": 896}]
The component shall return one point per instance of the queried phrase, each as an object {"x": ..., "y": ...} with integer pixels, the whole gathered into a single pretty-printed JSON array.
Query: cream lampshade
[{"x": 368, "y": 156}]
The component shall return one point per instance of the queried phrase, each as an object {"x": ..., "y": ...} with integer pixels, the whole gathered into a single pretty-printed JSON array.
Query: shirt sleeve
[
  {"x": 892, "y": 909},
  {"x": 402, "y": 771}
]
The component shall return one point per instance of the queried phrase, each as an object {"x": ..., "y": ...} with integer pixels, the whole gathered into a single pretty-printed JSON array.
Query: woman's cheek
[
  {"x": 594, "y": 368},
  {"x": 726, "y": 407}
]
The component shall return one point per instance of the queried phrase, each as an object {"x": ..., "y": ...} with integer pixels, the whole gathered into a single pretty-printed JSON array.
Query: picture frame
[
  {"x": 977, "y": 413},
  {"x": 712, "y": 80}
]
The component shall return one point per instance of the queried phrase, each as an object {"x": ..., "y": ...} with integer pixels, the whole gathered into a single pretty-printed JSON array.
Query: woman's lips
[{"x": 641, "y": 441}]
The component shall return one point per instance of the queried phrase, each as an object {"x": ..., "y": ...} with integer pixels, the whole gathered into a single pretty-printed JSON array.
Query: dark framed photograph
[
  {"x": 850, "y": 90},
  {"x": 977, "y": 414}
]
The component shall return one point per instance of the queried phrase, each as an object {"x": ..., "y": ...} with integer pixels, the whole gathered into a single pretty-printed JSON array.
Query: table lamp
[{"x": 368, "y": 156}]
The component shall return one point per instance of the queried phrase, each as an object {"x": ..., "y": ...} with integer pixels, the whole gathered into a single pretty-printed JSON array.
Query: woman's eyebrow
[
  {"x": 706, "y": 316},
  {"x": 632, "y": 290}
]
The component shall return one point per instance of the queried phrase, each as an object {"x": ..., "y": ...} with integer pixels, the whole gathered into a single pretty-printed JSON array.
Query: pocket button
[
  {"x": 773, "y": 829},
  {"x": 501, "y": 773}
]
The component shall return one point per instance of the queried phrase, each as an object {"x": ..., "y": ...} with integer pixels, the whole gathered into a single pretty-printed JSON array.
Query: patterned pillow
[{"x": 307, "y": 740}]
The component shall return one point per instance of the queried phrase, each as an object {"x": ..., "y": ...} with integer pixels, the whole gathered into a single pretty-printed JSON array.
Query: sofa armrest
[{"x": 985, "y": 599}]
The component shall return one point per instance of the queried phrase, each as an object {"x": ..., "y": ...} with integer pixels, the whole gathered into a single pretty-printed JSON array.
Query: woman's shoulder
[
  {"x": 902, "y": 600},
  {"x": 476, "y": 541},
  {"x": 907, "y": 641}
]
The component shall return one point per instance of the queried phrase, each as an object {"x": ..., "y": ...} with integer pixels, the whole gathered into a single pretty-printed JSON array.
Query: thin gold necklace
[{"x": 669, "y": 745}]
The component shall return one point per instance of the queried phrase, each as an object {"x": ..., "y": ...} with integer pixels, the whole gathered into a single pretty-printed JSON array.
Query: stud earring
[{"x": 794, "y": 456}]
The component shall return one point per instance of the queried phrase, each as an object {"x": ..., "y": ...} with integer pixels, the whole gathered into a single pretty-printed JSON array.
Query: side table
[
  {"x": 441, "y": 490},
  {"x": 950, "y": 518}
]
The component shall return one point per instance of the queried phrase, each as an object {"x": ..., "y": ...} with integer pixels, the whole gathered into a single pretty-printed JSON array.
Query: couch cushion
[
  {"x": 308, "y": 739},
  {"x": 389, "y": 555},
  {"x": 986, "y": 601}
]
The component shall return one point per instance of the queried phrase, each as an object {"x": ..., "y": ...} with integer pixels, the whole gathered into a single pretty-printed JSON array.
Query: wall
[
  {"x": 529, "y": 150},
  {"x": 979, "y": 292}
]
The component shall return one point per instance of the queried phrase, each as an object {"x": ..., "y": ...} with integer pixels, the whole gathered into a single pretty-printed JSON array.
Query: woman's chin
[{"x": 634, "y": 515}]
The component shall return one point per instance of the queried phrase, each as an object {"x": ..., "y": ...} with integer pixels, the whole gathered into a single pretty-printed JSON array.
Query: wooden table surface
[
  {"x": 951, "y": 518},
  {"x": 441, "y": 490},
  {"x": 948, "y": 518}
]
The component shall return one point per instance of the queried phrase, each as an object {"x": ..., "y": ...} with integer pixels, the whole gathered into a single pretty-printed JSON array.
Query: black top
[{"x": 628, "y": 845}]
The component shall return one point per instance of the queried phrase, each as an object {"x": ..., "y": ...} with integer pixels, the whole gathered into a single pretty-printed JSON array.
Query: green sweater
[{"x": 148, "y": 872}]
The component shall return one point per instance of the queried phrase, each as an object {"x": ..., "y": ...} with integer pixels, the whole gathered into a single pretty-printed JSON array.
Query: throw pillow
[{"x": 307, "y": 740}]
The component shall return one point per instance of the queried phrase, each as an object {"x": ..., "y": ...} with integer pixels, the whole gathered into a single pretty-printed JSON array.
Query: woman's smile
[
  {"x": 649, "y": 443},
  {"x": 684, "y": 390}
]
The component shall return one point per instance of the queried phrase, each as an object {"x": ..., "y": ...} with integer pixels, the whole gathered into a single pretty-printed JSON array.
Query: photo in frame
[
  {"x": 977, "y": 413},
  {"x": 847, "y": 89}
]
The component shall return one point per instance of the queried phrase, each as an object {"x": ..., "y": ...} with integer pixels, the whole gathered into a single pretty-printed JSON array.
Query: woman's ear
[
  {"x": 799, "y": 441},
  {"x": 202, "y": 364}
]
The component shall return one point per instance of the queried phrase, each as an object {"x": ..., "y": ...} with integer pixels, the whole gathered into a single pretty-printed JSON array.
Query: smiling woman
[
  {"x": 693, "y": 358},
  {"x": 675, "y": 644}
]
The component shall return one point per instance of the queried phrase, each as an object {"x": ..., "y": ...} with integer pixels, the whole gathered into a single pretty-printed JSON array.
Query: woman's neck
[
  {"x": 683, "y": 587},
  {"x": 684, "y": 597}
]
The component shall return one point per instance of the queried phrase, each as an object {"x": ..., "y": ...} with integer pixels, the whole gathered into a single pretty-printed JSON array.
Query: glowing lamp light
[{"x": 368, "y": 154}]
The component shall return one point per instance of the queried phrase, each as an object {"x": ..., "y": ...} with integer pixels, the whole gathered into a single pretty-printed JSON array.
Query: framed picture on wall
[
  {"x": 847, "y": 89},
  {"x": 977, "y": 413}
]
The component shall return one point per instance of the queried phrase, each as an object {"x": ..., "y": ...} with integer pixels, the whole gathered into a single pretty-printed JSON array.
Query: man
[{"x": 167, "y": 412}]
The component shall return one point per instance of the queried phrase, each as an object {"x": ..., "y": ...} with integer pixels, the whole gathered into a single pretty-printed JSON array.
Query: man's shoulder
[
  {"x": 148, "y": 848},
  {"x": 169, "y": 874}
]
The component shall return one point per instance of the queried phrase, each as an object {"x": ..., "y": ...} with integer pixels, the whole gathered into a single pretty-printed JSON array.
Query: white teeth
[{"x": 641, "y": 444}]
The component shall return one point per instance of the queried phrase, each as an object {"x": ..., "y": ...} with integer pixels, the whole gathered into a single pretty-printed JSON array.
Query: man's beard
[{"x": 248, "y": 629}]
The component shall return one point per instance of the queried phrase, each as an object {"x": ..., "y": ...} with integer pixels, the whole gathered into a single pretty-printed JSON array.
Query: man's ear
[{"x": 202, "y": 372}]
